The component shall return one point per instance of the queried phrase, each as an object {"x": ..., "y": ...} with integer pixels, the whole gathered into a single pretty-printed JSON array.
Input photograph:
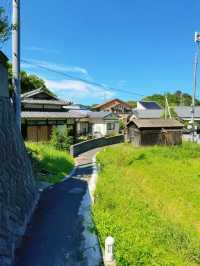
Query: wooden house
[
  {"x": 41, "y": 111},
  {"x": 154, "y": 131}
]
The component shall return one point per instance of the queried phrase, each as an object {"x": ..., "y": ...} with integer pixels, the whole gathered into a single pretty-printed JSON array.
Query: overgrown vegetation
[
  {"x": 61, "y": 139},
  {"x": 50, "y": 165},
  {"x": 174, "y": 99},
  {"x": 148, "y": 199}
]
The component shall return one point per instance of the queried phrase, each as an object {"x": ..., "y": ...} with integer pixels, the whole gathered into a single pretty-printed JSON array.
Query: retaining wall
[
  {"x": 18, "y": 194},
  {"x": 84, "y": 146}
]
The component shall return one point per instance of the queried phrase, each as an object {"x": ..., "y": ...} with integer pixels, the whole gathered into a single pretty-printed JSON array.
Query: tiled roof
[
  {"x": 29, "y": 94},
  {"x": 156, "y": 123},
  {"x": 154, "y": 113},
  {"x": 49, "y": 115},
  {"x": 101, "y": 114},
  {"x": 38, "y": 101},
  {"x": 185, "y": 111},
  {"x": 110, "y": 102}
]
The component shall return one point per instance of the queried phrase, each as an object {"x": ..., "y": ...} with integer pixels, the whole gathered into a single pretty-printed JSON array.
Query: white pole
[
  {"x": 16, "y": 60},
  {"x": 194, "y": 85}
]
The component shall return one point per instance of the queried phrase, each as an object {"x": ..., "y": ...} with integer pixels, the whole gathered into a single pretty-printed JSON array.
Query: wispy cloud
[
  {"x": 41, "y": 49},
  {"x": 36, "y": 64},
  {"x": 72, "y": 89},
  {"x": 76, "y": 90}
]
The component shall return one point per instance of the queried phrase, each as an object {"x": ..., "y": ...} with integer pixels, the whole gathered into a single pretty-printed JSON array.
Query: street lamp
[{"x": 194, "y": 85}]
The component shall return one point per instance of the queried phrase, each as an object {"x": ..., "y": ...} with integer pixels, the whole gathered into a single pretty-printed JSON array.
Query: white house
[
  {"x": 103, "y": 123},
  {"x": 97, "y": 124}
]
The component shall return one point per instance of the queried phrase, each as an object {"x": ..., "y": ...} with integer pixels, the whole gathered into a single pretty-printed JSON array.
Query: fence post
[{"x": 109, "y": 252}]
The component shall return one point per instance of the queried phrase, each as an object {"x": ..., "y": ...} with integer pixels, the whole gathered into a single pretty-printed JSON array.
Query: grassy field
[
  {"x": 49, "y": 164},
  {"x": 148, "y": 199}
]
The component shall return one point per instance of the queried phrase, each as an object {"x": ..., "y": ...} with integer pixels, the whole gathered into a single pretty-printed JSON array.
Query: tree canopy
[
  {"x": 29, "y": 82},
  {"x": 4, "y": 26},
  {"x": 174, "y": 99}
]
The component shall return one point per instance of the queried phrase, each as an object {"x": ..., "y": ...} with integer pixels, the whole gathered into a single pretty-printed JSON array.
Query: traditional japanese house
[{"x": 41, "y": 111}]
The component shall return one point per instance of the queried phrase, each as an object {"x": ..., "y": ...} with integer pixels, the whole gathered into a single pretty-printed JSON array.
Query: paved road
[{"x": 54, "y": 236}]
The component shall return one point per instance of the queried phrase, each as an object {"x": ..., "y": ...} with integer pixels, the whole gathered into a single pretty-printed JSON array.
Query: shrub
[
  {"x": 61, "y": 139},
  {"x": 49, "y": 164}
]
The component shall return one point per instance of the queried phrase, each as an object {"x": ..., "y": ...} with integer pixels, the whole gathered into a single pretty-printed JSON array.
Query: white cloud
[
  {"x": 76, "y": 90},
  {"x": 67, "y": 85}
]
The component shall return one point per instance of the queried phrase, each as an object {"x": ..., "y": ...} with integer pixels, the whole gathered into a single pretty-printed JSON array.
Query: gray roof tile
[{"x": 156, "y": 123}]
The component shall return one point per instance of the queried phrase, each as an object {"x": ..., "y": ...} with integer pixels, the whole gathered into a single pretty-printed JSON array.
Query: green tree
[
  {"x": 174, "y": 99},
  {"x": 4, "y": 26},
  {"x": 29, "y": 82},
  {"x": 173, "y": 114},
  {"x": 133, "y": 104},
  {"x": 61, "y": 139}
]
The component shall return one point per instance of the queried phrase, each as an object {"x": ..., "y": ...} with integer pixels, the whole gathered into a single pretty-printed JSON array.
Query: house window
[{"x": 110, "y": 126}]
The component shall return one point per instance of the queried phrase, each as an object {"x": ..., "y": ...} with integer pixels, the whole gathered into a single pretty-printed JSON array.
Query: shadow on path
[{"x": 55, "y": 235}]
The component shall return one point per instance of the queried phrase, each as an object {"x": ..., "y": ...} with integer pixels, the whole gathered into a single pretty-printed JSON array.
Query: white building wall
[
  {"x": 101, "y": 130},
  {"x": 140, "y": 106}
]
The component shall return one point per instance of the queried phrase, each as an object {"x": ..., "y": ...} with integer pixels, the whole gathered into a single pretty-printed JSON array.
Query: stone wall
[
  {"x": 18, "y": 195},
  {"x": 84, "y": 146}
]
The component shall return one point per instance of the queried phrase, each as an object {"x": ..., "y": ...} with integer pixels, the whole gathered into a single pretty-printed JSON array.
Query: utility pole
[
  {"x": 16, "y": 60},
  {"x": 167, "y": 105},
  {"x": 194, "y": 85}
]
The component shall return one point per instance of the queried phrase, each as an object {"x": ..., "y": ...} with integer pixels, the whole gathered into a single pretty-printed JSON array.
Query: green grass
[
  {"x": 148, "y": 199},
  {"x": 49, "y": 164}
]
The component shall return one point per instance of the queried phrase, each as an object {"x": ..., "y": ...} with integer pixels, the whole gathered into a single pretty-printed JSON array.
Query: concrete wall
[
  {"x": 18, "y": 195},
  {"x": 84, "y": 146}
]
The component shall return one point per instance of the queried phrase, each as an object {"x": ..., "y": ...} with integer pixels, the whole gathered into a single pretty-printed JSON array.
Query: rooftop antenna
[{"x": 194, "y": 85}]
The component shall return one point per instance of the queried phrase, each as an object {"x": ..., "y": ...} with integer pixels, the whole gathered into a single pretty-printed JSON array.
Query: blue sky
[{"x": 143, "y": 46}]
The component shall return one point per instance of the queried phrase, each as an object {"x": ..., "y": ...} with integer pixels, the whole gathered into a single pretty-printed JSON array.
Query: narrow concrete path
[{"x": 54, "y": 236}]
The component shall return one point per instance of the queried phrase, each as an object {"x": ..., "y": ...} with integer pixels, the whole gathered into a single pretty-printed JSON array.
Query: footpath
[{"x": 55, "y": 235}]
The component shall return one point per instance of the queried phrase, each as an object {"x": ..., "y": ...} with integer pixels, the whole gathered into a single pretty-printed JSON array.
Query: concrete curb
[{"x": 91, "y": 247}]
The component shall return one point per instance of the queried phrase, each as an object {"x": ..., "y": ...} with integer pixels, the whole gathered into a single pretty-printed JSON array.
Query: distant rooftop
[
  {"x": 152, "y": 113},
  {"x": 76, "y": 107},
  {"x": 101, "y": 114},
  {"x": 110, "y": 102},
  {"x": 185, "y": 111}
]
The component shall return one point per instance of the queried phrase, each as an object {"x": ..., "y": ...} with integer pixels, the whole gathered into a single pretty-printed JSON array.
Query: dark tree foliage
[
  {"x": 29, "y": 82},
  {"x": 4, "y": 26}
]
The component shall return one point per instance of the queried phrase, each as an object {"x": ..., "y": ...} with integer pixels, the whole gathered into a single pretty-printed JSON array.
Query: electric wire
[{"x": 81, "y": 79}]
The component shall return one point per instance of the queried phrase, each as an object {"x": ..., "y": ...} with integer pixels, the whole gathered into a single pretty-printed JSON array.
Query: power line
[{"x": 80, "y": 79}]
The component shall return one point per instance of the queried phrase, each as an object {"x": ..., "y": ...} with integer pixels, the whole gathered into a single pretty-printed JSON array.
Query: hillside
[{"x": 174, "y": 99}]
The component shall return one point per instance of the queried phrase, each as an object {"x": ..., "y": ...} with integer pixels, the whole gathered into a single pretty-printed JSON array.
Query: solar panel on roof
[{"x": 151, "y": 105}]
